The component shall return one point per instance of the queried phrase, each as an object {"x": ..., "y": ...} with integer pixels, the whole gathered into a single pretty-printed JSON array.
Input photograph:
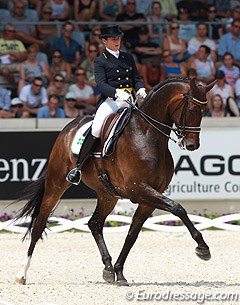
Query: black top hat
[{"x": 110, "y": 31}]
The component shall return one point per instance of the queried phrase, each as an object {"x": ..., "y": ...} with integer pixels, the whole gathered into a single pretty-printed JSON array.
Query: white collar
[{"x": 114, "y": 53}]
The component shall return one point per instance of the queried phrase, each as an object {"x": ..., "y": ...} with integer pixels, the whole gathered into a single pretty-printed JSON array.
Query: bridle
[{"x": 182, "y": 128}]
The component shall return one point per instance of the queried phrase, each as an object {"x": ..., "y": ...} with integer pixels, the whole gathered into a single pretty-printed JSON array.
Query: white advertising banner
[{"x": 212, "y": 171}]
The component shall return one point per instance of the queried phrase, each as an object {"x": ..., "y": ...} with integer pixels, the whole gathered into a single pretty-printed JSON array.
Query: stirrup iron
[{"x": 74, "y": 176}]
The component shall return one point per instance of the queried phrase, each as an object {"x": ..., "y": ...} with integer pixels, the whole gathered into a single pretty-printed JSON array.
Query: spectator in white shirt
[
  {"x": 33, "y": 97},
  {"x": 202, "y": 39},
  {"x": 226, "y": 92}
]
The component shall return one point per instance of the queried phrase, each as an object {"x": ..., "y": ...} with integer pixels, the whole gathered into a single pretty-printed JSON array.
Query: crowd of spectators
[{"x": 49, "y": 71}]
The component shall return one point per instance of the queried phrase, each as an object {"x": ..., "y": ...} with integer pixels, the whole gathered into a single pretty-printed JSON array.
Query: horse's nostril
[{"x": 191, "y": 147}]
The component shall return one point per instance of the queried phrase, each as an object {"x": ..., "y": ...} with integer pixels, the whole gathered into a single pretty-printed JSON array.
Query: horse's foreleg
[
  {"x": 141, "y": 215},
  {"x": 104, "y": 207},
  {"x": 202, "y": 250},
  {"x": 156, "y": 199}
]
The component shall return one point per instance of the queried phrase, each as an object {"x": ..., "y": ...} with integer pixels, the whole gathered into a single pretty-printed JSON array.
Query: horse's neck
[{"x": 157, "y": 108}]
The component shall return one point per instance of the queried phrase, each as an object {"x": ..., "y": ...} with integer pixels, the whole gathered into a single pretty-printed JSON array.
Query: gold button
[
  {"x": 127, "y": 86},
  {"x": 119, "y": 78},
  {"x": 121, "y": 86},
  {"x": 117, "y": 70},
  {"x": 127, "y": 78},
  {"x": 127, "y": 70}
]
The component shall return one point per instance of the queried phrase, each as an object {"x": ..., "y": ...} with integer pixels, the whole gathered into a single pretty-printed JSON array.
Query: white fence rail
[{"x": 59, "y": 224}]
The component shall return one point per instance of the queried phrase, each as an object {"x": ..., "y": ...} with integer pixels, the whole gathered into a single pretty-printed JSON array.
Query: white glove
[
  {"x": 142, "y": 93},
  {"x": 123, "y": 95}
]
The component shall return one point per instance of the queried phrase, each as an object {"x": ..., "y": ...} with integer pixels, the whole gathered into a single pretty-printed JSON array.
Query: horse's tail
[{"x": 33, "y": 193}]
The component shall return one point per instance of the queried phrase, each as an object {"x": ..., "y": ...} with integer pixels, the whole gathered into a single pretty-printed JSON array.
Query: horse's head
[{"x": 188, "y": 114}]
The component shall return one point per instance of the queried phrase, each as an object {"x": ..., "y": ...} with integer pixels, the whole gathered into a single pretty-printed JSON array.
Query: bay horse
[{"x": 140, "y": 169}]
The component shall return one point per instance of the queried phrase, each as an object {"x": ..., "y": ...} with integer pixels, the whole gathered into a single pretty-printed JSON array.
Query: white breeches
[{"x": 106, "y": 108}]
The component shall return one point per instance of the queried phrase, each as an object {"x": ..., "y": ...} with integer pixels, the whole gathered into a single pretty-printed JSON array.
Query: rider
[{"x": 116, "y": 76}]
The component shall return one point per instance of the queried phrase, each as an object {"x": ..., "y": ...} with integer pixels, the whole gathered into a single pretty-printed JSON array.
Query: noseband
[{"x": 182, "y": 128}]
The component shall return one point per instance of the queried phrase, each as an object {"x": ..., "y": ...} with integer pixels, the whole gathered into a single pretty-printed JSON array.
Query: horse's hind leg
[
  {"x": 161, "y": 202},
  {"x": 104, "y": 207},
  {"x": 53, "y": 191},
  {"x": 141, "y": 215}
]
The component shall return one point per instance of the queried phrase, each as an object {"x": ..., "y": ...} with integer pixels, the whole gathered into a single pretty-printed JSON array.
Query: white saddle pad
[{"x": 79, "y": 138}]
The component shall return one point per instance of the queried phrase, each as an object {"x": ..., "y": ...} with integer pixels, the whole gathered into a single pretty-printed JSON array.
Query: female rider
[{"x": 116, "y": 76}]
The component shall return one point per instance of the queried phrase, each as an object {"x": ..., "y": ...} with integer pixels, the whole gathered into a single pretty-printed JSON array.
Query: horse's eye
[{"x": 193, "y": 111}]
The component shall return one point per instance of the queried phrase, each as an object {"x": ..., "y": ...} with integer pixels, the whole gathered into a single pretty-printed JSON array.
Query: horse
[{"x": 140, "y": 169}]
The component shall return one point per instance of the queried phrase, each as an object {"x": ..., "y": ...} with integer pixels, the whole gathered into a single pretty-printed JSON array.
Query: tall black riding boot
[{"x": 75, "y": 175}]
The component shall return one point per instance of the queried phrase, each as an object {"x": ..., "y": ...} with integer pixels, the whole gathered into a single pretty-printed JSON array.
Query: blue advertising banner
[{"x": 23, "y": 156}]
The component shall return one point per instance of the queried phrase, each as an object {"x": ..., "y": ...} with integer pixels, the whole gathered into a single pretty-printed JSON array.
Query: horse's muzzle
[{"x": 188, "y": 144}]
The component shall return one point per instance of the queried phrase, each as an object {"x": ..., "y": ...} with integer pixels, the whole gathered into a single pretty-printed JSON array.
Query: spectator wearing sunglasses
[
  {"x": 230, "y": 42},
  {"x": 176, "y": 45},
  {"x": 70, "y": 105},
  {"x": 187, "y": 29},
  {"x": 33, "y": 97},
  {"x": 16, "y": 110},
  {"x": 58, "y": 87},
  {"x": 170, "y": 68},
  {"x": 88, "y": 65},
  {"x": 69, "y": 48},
  {"x": 231, "y": 14},
  {"x": 33, "y": 67},
  {"x": 86, "y": 101},
  {"x": 215, "y": 30},
  {"x": 60, "y": 9},
  {"x": 94, "y": 38},
  {"x": 47, "y": 32},
  {"x": 12, "y": 53},
  {"x": 25, "y": 32},
  {"x": 59, "y": 65}
]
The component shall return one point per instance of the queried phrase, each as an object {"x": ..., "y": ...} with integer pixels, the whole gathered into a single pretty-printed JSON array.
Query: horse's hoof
[
  {"x": 108, "y": 276},
  {"x": 20, "y": 281},
  {"x": 203, "y": 254},
  {"x": 122, "y": 283}
]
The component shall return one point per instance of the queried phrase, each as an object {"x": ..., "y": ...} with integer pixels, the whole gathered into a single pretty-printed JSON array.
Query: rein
[{"x": 179, "y": 130}]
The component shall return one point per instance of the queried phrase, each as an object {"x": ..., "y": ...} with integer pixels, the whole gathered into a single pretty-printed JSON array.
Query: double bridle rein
[{"x": 182, "y": 128}]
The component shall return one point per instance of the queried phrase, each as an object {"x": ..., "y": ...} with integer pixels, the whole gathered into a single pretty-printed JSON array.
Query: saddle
[{"x": 112, "y": 128}]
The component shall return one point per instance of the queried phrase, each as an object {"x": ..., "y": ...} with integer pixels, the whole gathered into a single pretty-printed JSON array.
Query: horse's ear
[
  {"x": 209, "y": 86},
  {"x": 193, "y": 83},
  {"x": 194, "y": 88}
]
